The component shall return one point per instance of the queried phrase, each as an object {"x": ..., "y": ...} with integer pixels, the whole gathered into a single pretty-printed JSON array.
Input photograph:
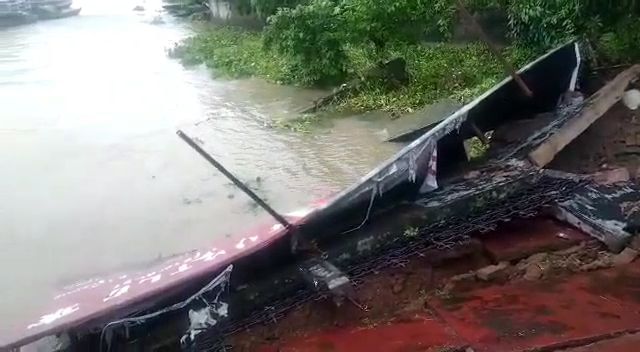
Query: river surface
[{"x": 92, "y": 175}]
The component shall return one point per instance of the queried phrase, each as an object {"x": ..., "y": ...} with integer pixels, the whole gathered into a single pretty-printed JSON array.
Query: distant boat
[
  {"x": 53, "y": 9},
  {"x": 15, "y": 13},
  {"x": 59, "y": 4},
  {"x": 19, "y": 12},
  {"x": 50, "y": 13}
]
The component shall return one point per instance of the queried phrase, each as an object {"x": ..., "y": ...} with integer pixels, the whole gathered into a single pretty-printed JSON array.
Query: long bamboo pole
[{"x": 505, "y": 63}]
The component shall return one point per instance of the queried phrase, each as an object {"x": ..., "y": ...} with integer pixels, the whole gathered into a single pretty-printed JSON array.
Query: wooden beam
[
  {"x": 479, "y": 133},
  {"x": 596, "y": 106}
]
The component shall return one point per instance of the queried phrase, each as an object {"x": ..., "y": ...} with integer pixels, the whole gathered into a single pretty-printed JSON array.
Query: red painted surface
[
  {"x": 527, "y": 315},
  {"x": 624, "y": 343},
  {"x": 424, "y": 333},
  {"x": 522, "y": 238},
  {"x": 548, "y": 315},
  {"x": 112, "y": 297}
]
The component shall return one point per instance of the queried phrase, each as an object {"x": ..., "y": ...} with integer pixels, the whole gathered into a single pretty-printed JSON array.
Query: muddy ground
[
  {"x": 612, "y": 141},
  {"x": 401, "y": 292}
]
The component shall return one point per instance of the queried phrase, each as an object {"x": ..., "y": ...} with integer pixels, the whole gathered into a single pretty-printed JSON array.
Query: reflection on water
[{"x": 92, "y": 175}]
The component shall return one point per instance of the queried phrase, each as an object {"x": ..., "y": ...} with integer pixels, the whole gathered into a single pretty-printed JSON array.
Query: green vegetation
[
  {"x": 302, "y": 124},
  {"x": 411, "y": 232},
  {"x": 477, "y": 149},
  {"x": 437, "y": 71},
  {"x": 330, "y": 42},
  {"x": 232, "y": 53},
  {"x": 621, "y": 43}
]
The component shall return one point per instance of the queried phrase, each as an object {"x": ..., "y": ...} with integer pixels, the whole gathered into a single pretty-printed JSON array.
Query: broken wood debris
[{"x": 596, "y": 106}]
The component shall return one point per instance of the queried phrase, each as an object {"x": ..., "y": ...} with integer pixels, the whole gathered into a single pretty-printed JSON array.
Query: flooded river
[{"x": 93, "y": 177}]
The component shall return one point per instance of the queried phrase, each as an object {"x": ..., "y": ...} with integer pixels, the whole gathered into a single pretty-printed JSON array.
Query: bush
[
  {"x": 381, "y": 22},
  {"x": 544, "y": 23},
  {"x": 315, "y": 37},
  {"x": 266, "y": 8},
  {"x": 622, "y": 43},
  {"x": 460, "y": 72},
  {"x": 612, "y": 25},
  {"x": 327, "y": 42},
  {"x": 311, "y": 38}
]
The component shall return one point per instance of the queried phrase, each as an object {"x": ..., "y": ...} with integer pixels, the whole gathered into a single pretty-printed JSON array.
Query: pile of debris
[{"x": 586, "y": 256}]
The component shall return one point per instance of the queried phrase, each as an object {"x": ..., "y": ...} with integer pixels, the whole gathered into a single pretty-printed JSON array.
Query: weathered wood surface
[{"x": 596, "y": 106}]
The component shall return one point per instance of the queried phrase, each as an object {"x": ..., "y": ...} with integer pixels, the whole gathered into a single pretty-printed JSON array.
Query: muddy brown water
[{"x": 93, "y": 177}]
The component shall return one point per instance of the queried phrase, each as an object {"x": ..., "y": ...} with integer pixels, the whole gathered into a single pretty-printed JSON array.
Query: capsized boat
[{"x": 198, "y": 299}]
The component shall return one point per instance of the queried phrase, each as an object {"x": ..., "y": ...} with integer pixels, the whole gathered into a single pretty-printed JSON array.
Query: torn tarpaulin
[{"x": 206, "y": 302}]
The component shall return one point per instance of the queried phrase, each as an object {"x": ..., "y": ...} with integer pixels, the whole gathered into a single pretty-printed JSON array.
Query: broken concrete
[
  {"x": 533, "y": 272},
  {"x": 492, "y": 272},
  {"x": 635, "y": 243},
  {"x": 608, "y": 177},
  {"x": 627, "y": 256}
]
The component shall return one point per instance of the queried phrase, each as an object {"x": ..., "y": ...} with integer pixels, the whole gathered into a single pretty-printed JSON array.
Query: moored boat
[
  {"x": 15, "y": 13},
  {"x": 49, "y": 13},
  {"x": 53, "y": 9}
]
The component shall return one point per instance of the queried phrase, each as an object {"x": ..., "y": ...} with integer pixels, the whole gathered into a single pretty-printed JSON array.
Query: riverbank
[
  {"x": 101, "y": 142},
  {"x": 432, "y": 46},
  {"x": 458, "y": 71}
]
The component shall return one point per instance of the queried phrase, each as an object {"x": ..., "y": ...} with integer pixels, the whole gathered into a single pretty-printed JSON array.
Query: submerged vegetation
[{"x": 333, "y": 42}]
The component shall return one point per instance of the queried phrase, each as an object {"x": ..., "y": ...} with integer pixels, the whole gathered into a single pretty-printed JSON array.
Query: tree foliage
[
  {"x": 266, "y": 8},
  {"x": 316, "y": 36},
  {"x": 380, "y": 22},
  {"x": 311, "y": 37},
  {"x": 328, "y": 42},
  {"x": 544, "y": 22}
]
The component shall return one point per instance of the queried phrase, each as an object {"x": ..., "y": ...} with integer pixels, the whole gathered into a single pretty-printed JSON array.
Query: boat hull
[
  {"x": 17, "y": 20},
  {"x": 52, "y": 14}
]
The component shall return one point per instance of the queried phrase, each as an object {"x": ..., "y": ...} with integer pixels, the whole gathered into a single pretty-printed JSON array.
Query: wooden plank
[{"x": 596, "y": 106}]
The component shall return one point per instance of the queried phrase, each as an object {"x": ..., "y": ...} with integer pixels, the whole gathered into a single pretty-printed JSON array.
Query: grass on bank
[
  {"x": 231, "y": 53},
  {"x": 437, "y": 71}
]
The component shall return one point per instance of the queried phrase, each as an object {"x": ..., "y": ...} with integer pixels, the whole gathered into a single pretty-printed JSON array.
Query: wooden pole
[
  {"x": 505, "y": 63},
  {"x": 235, "y": 180},
  {"x": 479, "y": 133}
]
